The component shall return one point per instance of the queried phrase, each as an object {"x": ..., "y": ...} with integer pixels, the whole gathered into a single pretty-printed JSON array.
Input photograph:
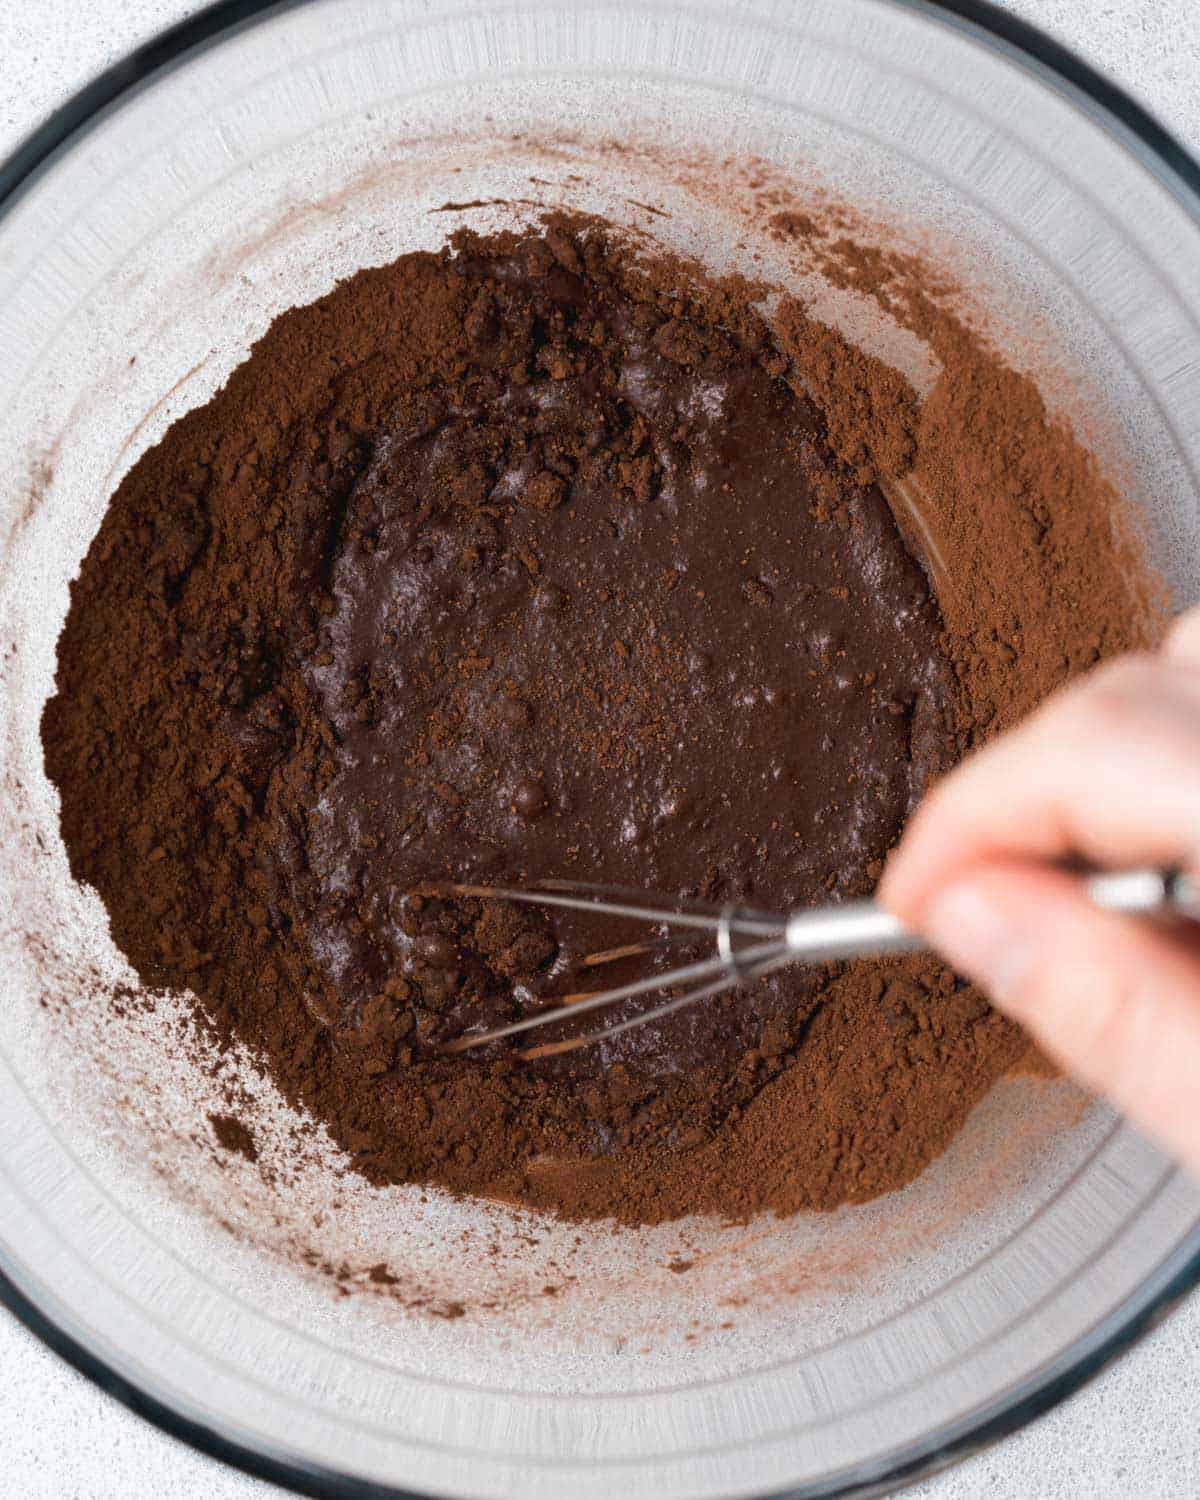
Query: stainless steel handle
[{"x": 862, "y": 929}]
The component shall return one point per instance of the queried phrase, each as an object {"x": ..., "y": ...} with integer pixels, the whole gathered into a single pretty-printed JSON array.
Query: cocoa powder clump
[{"x": 533, "y": 558}]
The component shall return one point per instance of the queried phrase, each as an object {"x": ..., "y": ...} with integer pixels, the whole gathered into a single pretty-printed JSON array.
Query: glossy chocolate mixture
[
  {"x": 528, "y": 560},
  {"x": 621, "y": 622}
]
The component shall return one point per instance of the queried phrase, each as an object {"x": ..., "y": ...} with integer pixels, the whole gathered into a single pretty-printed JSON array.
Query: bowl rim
[{"x": 1157, "y": 150}]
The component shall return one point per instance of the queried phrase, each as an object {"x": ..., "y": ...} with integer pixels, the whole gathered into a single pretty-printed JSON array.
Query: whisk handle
[
  {"x": 857, "y": 929},
  {"x": 862, "y": 929}
]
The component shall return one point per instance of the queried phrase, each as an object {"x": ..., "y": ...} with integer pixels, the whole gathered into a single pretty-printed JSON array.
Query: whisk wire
[
  {"x": 746, "y": 923},
  {"x": 853, "y": 929},
  {"x": 703, "y": 969},
  {"x": 771, "y": 956}
]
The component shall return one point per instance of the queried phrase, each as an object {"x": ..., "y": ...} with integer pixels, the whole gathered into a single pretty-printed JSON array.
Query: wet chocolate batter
[
  {"x": 618, "y": 620},
  {"x": 531, "y": 559}
]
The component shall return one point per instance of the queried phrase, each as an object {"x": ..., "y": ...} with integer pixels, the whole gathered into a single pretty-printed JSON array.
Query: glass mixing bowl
[{"x": 150, "y": 231}]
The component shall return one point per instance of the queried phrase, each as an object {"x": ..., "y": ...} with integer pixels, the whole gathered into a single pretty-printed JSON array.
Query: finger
[
  {"x": 1183, "y": 641},
  {"x": 1109, "y": 771},
  {"x": 1115, "y": 999}
]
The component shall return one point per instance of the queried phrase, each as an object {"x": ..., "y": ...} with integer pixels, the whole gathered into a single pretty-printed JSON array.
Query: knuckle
[
  {"x": 1112, "y": 700},
  {"x": 1183, "y": 639},
  {"x": 934, "y": 804},
  {"x": 1125, "y": 677},
  {"x": 1110, "y": 1029},
  {"x": 1089, "y": 1014}
]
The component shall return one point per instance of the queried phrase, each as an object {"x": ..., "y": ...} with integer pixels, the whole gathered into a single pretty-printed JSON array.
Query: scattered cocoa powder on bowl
[{"x": 541, "y": 558}]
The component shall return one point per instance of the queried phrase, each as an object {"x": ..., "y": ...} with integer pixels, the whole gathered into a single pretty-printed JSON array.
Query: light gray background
[{"x": 1133, "y": 1434}]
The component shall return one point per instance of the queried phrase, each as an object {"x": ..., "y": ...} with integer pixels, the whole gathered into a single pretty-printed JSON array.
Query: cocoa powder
[{"x": 407, "y": 599}]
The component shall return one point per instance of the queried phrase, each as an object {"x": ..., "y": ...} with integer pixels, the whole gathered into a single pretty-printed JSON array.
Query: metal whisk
[{"x": 750, "y": 944}]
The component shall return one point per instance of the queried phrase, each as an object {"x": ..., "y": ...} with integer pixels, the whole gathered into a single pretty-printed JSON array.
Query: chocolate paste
[{"x": 527, "y": 561}]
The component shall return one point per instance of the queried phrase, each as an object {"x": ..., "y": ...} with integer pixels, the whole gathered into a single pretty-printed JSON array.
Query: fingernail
[{"x": 969, "y": 929}]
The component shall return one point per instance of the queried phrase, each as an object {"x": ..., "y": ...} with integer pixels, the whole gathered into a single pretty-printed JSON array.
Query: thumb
[{"x": 1115, "y": 999}]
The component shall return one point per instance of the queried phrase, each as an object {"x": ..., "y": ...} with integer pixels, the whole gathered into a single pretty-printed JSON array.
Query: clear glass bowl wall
[{"x": 250, "y": 175}]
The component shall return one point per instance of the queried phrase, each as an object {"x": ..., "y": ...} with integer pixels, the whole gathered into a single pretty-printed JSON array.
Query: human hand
[{"x": 1108, "y": 770}]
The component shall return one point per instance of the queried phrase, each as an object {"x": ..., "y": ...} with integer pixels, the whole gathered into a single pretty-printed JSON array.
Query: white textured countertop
[{"x": 1132, "y": 1434}]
